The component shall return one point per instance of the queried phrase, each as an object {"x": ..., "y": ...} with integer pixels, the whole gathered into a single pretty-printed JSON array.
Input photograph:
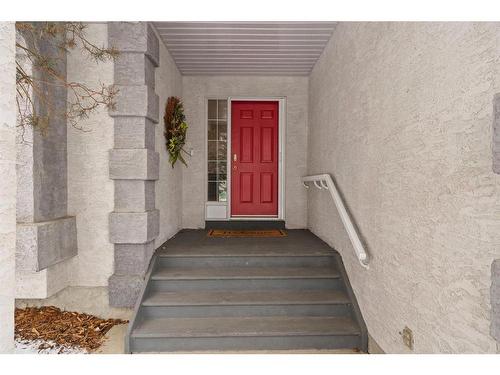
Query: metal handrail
[{"x": 325, "y": 181}]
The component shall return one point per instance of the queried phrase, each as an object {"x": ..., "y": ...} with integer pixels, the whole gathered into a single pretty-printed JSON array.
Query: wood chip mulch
[{"x": 64, "y": 328}]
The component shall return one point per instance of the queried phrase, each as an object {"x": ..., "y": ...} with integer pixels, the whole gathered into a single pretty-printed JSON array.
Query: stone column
[
  {"x": 133, "y": 162},
  {"x": 46, "y": 235},
  {"x": 7, "y": 184}
]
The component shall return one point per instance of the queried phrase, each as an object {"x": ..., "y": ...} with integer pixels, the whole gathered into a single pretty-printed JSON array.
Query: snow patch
[{"x": 44, "y": 347}]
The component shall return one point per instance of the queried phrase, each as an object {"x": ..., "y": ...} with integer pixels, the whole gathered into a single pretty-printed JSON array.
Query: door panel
[
  {"x": 266, "y": 145},
  {"x": 254, "y": 160}
]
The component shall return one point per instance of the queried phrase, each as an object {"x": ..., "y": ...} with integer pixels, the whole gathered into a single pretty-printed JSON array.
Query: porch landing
[
  {"x": 297, "y": 242},
  {"x": 245, "y": 294}
]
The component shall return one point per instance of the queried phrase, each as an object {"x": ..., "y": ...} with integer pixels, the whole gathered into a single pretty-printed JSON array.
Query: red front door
[{"x": 254, "y": 158}]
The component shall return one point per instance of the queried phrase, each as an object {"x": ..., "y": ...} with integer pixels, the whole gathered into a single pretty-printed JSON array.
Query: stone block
[
  {"x": 495, "y": 299},
  {"x": 134, "y": 132},
  {"x": 132, "y": 68},
  {"x": 133, "y": 259},
  {"x": 133, "y": 227},
  {"x": 133, "y": 164},
  {"x": 134, "y": 37},
  {"x": 44, "y": 283},
  {"x": 41, "y": 245},
  {"x": 136, "y": 101},
  {"x": 124, "y": 290},
  {"x": 134, "y": 195}
]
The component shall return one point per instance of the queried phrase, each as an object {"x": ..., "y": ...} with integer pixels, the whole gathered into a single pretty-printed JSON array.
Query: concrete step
[
  {"x": 196, "y": 243},
  {"x": 238, "y": 303},
  {"x": 150, "y": 312},
  {"x": 245, "y": 278},
  {"x": 247, "y": 333},
  {"x": 246, "y": 297},
  {"x": 241, "y": 260},
  {"x": 207, "y": 294},
  {"x": 237, "y": 250},
  {"x": 228, "y": 273}
]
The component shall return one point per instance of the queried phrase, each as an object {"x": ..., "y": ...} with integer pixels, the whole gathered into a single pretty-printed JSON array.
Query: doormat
[{"x": 246, "y": 233}]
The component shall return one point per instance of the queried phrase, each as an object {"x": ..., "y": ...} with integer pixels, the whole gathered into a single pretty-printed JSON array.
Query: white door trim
[{"x": 281, "y": 155}]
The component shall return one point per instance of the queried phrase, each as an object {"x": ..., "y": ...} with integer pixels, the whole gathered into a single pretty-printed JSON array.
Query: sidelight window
[{"x": 217, "y": 150}]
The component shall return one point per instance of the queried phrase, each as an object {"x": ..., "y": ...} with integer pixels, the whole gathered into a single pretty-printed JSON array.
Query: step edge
[
  {"x": 355, "y": 329},
  {"x": 319, "y": 277},
  {"x": 274, "y": 303},
  {"x": 284, "y": 255},
  {"x": 138, "y": 335}
]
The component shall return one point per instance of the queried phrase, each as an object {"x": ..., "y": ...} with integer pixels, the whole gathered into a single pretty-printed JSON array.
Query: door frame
[{"x": 281, "y": 154}]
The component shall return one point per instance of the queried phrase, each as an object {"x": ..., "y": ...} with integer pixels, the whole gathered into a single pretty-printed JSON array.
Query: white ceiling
[{"x": 245, "y": 48}]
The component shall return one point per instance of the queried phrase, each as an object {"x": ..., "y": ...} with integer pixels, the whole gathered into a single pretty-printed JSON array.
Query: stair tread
[
  {"x": 218, "y": 251},
  {"x": 166, "y": 273},
  {"x": 246, "y": 297},
  {"x": 189, "y": 243},
  {"x": 245, "y": 327}
]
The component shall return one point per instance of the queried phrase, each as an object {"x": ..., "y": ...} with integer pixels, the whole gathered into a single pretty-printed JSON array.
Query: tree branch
[{"x": 37, "y": 86}]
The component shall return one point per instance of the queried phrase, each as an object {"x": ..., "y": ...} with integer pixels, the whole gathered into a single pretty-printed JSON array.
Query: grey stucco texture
[
  {"x": 496, "y": 133},
  {"x": 495, "y": 299},
  {"x": 401, "y": 116}
]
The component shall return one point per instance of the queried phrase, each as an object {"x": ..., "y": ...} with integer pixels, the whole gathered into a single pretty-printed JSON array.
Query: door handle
[{"x": 235, "y": 158}]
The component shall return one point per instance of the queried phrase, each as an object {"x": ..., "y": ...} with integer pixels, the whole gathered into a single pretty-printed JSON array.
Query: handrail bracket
[{"x": 325, "y": 181}]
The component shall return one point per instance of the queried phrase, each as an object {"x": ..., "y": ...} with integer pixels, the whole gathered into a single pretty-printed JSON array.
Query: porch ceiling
[{"x": 245, "y": 48}]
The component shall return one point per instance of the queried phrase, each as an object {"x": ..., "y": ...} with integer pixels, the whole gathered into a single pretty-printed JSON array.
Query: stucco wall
[
  {"x": 401, "y": 116},
  {"x": 7, "y": 184},
  {"x": 168, "y": 82},
  {"x": 90, "y": 190},
  {"x": 196, "y": 90}
]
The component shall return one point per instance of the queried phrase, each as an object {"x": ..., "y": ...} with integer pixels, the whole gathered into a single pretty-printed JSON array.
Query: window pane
[
  {"x": 222, "y": 191},
  {"x": 212, "y": 130},
  {"x": 212, "y": 109},
  {"x": 222, "y": 131},
  {"x": 222, "y": 114},
  {"x": 212, "y": 171},
  {"x": 212, "y": 150},
  {"x": 212, "y": 191},
  {"x": 217, "y": 150},
  {"x": 221, "y": 170},
  {"x": 221, "y": 150}
]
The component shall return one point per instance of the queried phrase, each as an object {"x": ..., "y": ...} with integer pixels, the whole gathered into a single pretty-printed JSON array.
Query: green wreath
[{"x": 175, "y": 130}]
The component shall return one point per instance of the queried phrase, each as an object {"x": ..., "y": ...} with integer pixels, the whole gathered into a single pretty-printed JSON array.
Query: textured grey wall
[
  {"x": 495, "y": 299},
  {"x": 90, "y": 191},
  {"x": 496, "y": 133},
  {"x": 400, "y": 115},
  {"x": 7, "y": 184},
  {"x": 197, "y": 89},
  {"x": 169, "y": 184}
]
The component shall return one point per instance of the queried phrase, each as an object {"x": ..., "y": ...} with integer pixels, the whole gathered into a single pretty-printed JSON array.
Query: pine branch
[{"x": 46, "y": 76}]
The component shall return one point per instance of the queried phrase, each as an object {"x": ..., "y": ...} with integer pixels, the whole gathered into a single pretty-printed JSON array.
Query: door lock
[{"x": 235, "y": 158}]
